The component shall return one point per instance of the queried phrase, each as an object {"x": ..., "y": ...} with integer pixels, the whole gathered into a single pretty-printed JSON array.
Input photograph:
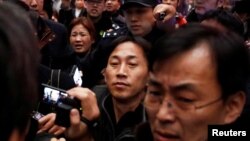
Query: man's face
[
  {"x": 36, "y": 5},
  {"x": 126, "y": 72},
  {"x": 79, "y": 4},
  {"x": 139, "y": 20},
  {"x": 203, "y": 6},
  {"x": 112, "y": 5},
  {"x": 95, "y": 7},
  {"x": 65, "y": 4},
  {"x": 171, "y": 2},
  {"x": 184, "y": 96}
]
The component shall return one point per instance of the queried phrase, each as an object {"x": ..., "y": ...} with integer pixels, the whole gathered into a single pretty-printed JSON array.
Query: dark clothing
[
  {"x": 55, "y": 52},
  {"x": 108, "y": 129},
  {"x": 82, "y": 13},
  {"x": 143, "y": 132},
  {"x": 193, "y": 17},
  {"x": 247, "y": 30},
  {"x": 65, "y": 16},
  {"x": 116, "y": 18}
]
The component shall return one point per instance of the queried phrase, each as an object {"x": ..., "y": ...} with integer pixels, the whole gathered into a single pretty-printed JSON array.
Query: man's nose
[
  {"x": 122, "y": 70},
  {"x": 33, "y": 3},
  {"x": 108, "y": 2},
  {"x": 166, "y": 112}
]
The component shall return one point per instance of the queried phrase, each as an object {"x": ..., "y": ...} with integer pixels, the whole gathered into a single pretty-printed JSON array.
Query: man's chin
[{"x": 200, "y": 11}]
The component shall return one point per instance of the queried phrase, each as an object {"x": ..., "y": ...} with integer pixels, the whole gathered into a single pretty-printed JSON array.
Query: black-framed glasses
[{"x": 154, "y": 103}]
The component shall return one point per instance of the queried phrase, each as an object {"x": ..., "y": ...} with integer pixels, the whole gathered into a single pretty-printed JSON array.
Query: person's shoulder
[{"x": 54, "y": 25}]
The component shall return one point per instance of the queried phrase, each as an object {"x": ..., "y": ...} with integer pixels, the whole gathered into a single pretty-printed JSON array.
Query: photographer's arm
[
  {"x": 79, "y": 131},
  {"x": 167, "y": 23}
]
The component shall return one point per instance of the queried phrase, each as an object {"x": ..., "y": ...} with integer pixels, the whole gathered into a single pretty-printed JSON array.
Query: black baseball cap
[{"x": 142, "y": 3}]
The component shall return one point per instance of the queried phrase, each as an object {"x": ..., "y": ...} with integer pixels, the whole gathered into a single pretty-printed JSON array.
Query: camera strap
[{"x": 55, "y": 77}]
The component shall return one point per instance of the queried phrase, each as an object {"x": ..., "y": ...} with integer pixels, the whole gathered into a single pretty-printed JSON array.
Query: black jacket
[{"x": 108, "y": 129}]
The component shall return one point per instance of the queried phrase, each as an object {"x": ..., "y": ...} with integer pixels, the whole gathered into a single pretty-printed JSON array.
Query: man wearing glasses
[{"x": 198, "y": 79}]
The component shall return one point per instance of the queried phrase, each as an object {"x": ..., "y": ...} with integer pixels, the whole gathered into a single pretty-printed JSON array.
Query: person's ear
[
  {"x": 234, "y": 106},
  {"x": 103, "y": 72}
]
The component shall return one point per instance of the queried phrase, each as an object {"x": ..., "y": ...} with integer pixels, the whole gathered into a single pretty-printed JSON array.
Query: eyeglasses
[{"x": 154, "y": 102}]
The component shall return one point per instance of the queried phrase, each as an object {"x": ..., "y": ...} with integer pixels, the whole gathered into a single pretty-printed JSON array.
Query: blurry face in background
[
  {"x": 36, "y": 5},
  {"x": 203, "y": 6},
  {"x": 80, "y": 39},
  {"x": 112, "y": 5},
  {"x": 95, "y": 7},
  {"x": 79, "y": 4},
  {"x": 65, "y": 4},
  {"x": 139, "y": 20},
  {"x": 171, "y": 2},
  {"x": 126, "y": 72}
]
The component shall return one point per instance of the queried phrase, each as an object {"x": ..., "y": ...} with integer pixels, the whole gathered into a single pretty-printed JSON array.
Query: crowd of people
[{"x": 139, "y": 70}]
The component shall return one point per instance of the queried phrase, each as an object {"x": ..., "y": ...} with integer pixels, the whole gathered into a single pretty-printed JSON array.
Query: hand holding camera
[
  {"x": 62, "y": 102},
  {"x": 164, "y": 12},
  {"x": 76, "y": 109},
  {"x": 78, "y": 128}
]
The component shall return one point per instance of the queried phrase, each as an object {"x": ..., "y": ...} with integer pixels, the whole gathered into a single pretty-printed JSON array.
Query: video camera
[{"x": 61, "y": 102}]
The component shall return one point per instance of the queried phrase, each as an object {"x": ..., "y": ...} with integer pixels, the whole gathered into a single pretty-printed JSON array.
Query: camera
[{"x": 61, "y": 102}]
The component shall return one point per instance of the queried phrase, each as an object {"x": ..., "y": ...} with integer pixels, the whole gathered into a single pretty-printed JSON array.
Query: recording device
[
  {"x": 162, "y": 16},
  {"x": 61, "y": 102}
]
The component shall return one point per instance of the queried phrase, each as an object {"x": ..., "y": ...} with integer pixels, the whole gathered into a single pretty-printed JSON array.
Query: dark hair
[
  {"x": 142, "y": 43},
  {"x": 228, "y": 50},
  {"x": 48, "y": 7},
  {"x": 18, "y": 66},
  {"x": 87, "y": 23},
  {"x": 242, "y": 6},
  {"x": 182, "y": 7},
  {"x": 226, "y": 19}
]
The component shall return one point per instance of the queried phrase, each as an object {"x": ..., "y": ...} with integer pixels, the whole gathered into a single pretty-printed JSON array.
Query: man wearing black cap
[{"x": 140, "y": 20}]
